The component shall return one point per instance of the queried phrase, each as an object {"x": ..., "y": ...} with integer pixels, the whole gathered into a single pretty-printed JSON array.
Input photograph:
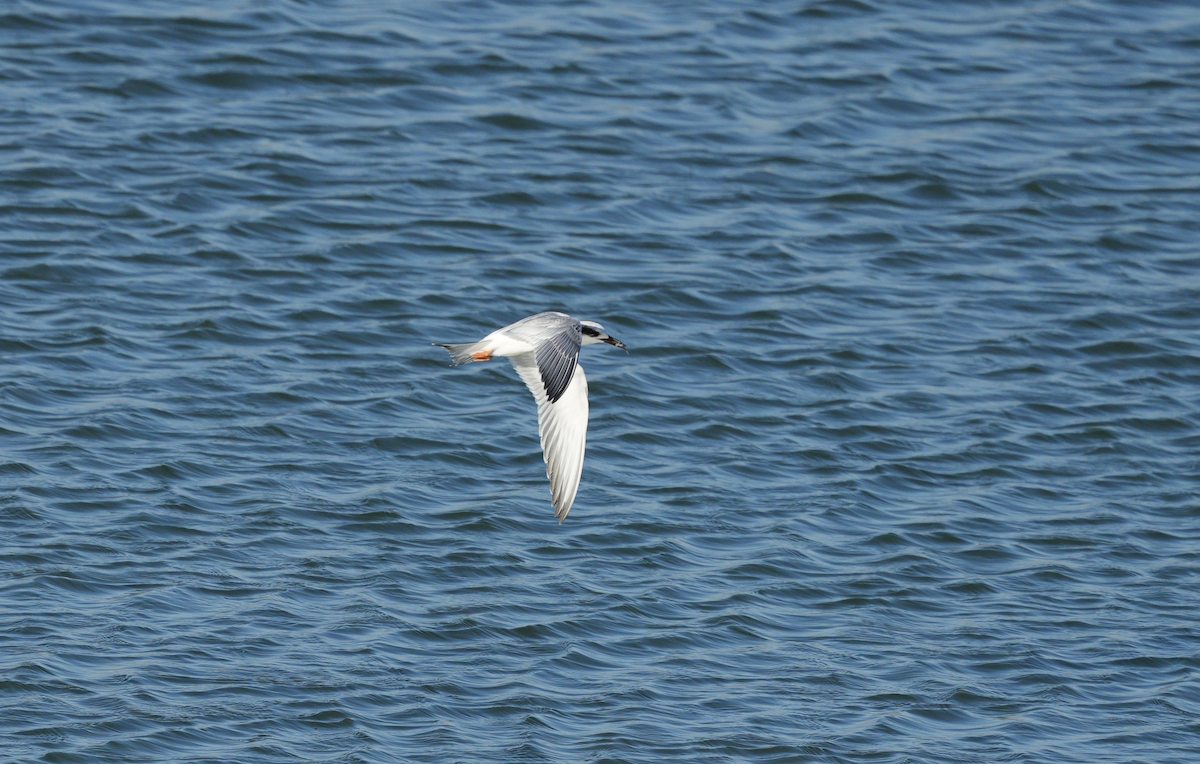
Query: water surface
[{"x": 902, "y": 465}]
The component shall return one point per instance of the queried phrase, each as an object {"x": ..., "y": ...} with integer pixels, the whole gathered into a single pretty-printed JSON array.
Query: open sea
[{"x": 902, "y": 467}]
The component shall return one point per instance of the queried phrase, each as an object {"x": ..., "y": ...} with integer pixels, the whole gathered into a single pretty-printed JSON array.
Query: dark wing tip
[
  {"x": 556, "y": 362},
  {"x": 556, "y": 379}
]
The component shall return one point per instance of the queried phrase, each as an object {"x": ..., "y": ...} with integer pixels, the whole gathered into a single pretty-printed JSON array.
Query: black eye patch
[{"x": 589, "y": 331}]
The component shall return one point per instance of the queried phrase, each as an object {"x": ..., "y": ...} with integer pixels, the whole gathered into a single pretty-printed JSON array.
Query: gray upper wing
[{"x": 556, "y": 338}]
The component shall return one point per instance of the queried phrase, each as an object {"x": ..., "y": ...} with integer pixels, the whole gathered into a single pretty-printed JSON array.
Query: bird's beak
[{"x": 615, "y": 341}]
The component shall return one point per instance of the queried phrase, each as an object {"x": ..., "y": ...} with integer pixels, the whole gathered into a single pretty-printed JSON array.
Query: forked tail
[{"x": 467, "y": 352}]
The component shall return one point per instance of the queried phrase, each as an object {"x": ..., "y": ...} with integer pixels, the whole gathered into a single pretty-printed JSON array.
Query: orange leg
[{"x": 486, "y": 355}]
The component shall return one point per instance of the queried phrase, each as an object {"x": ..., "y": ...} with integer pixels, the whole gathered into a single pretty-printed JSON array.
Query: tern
[{"x": 544, "y": 350}]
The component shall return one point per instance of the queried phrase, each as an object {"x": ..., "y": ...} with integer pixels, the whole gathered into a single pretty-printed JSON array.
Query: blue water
[{"x": 903, "y": 464}]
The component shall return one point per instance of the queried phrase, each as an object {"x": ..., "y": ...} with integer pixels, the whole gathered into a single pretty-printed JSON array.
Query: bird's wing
[
  {"x": 555, "y": 338},
  {"x": 563, "y": 427}
]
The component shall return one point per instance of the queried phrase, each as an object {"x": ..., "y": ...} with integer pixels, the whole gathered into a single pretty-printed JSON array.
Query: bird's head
[{"x": 593, "y": 333}]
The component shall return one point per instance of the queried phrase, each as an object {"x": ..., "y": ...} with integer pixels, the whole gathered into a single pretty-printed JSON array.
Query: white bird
[{"x": 544, "y": 350}]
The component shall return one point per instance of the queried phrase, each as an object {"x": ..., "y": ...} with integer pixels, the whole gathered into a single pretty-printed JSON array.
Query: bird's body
[{"x": 544, "y": 350}]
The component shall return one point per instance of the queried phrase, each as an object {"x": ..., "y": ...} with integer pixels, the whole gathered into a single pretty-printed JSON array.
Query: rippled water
[{"x": 902, "y": 466}]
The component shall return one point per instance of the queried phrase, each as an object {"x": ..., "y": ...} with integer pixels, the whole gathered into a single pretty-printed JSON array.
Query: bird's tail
[{"x": 464, "y": 353}]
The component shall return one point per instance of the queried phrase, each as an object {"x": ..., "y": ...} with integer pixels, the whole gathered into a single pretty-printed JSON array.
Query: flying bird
[{"x": 544, "y": 350}]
